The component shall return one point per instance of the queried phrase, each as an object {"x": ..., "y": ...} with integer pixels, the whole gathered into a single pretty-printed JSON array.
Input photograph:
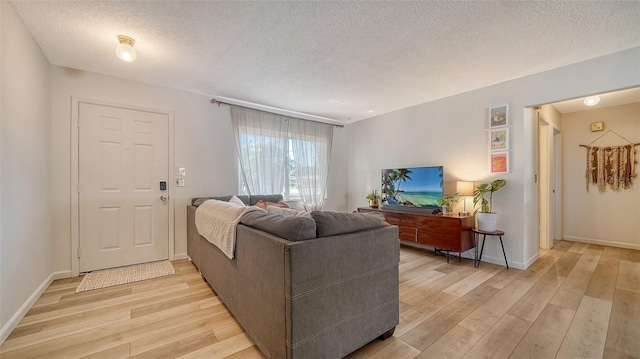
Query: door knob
[{"x": 163, "y": 198}]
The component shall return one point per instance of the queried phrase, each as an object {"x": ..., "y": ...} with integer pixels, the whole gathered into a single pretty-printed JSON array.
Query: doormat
[{"x": 122, "y": 275}]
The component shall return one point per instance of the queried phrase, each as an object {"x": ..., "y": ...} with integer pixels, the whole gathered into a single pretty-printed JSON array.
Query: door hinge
[
  {"x": 78, "y": 122},
  {"x": 535, "y": 178},
  {"x": 78, "y": 187},
  {"x": 78, "y": 252}
]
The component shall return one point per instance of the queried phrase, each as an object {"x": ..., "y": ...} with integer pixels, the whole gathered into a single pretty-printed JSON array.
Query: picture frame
[
  {"x": 499, "y": 139},
  {"x": 499, "y": 162},
  {"x": 499, "y": 116}
]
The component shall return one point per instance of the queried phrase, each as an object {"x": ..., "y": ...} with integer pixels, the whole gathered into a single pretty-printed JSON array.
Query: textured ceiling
[{"x": 341, "y": 60}]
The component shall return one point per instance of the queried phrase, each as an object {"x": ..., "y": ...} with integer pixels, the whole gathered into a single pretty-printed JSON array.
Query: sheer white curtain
[
  {"x": 261, "y": 141},
  {"x": 311, "y": 145}
]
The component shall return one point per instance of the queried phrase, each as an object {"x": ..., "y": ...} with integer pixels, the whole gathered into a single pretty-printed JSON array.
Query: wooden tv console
[{"x": 442, "y": 232}]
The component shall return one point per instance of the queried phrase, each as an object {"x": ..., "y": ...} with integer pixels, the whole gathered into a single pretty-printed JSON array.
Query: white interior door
[
  {"x": 123, "y": 157},
  {"x": 544, "y": 167},
  {"x": 557, "y": 189}
]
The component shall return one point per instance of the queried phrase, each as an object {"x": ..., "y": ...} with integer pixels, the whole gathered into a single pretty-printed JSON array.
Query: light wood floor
[{"x": 576, "y": 301}]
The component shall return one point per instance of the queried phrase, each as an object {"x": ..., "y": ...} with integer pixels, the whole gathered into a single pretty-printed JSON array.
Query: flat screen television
[{"x": 415, "y": 188}]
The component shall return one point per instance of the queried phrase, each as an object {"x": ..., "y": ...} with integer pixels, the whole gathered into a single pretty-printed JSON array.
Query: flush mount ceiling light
[
  {"x": 125, "y": 50},
  {"x": 592, "y": 100}
]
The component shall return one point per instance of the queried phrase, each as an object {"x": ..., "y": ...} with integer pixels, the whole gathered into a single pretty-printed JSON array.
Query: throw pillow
[
  {"x": 334, "y": 223},
  {"x": 287, "y": 211},
  {"x": 237, "y": 201},
  {"x": 262, "y": 204},
  {"x": 281, "y": 204}
]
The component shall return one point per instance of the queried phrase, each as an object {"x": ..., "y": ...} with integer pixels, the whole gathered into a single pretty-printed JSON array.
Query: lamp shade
[
  {"x": 125, "y": 50},
  {"x": 592, "y": 100},
  {"x": 464, "y": 188}
]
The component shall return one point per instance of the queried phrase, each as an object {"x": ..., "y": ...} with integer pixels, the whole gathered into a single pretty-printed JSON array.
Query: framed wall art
[
  {"x": 499, "y": 162},
  {"x": 499, "y": 139},
  {"x": 499, "y": 116}
]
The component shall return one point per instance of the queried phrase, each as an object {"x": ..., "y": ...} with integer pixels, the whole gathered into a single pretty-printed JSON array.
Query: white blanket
[{"x": 217, "y": 220}]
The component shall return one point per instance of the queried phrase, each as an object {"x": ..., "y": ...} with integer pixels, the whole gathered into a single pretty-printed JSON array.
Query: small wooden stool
[{"x": 497, "y": 232}]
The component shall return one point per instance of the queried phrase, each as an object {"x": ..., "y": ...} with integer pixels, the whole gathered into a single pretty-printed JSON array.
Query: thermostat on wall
[{"x": 597, "y": 126}]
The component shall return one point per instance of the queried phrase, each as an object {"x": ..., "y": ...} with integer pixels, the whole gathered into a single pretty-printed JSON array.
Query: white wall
[
  {"x": 203, "y": 144},
  {"x": 451, "y": 132},
  {"x": 25, "y": 221},
  {"x": 338, "y": 171},
  {"x": 610, "y": 217}
]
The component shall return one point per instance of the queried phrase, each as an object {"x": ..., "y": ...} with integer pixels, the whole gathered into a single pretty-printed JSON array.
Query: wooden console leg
[{"x": 387, "y": 334}]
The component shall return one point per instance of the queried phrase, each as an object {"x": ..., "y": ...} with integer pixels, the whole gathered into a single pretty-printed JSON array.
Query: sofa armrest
[
  {"x": 251, "y": 284},
  {"x": 341, "y": 291},
  {"x": 258, "y": 289}
]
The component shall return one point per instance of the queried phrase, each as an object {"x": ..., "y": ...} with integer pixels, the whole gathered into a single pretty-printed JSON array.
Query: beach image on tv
[{"x": 412, "y": 187}]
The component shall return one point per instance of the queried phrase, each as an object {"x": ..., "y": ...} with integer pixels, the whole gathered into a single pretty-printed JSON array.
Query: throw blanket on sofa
[{"x": 217, "y": 220}]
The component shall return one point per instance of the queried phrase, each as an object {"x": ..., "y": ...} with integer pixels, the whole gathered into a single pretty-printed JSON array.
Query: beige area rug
[{"x": 122, "y": 275}]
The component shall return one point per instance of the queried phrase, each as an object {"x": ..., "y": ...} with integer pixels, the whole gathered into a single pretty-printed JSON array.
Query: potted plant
[
  {"x": 373, "y": 198},
  {"x": 447, "y": 201},
  {"x": 486, "y": 218}
]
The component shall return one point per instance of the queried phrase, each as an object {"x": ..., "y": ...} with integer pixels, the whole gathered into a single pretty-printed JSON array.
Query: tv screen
[{"x": 417, "y": 187}]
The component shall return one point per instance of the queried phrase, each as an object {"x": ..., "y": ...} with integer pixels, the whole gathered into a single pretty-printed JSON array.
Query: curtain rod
[{"x": 214, "y": 101}]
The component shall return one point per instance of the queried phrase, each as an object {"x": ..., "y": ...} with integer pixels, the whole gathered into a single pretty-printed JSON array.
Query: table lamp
[{"x": 464, "y": 189}]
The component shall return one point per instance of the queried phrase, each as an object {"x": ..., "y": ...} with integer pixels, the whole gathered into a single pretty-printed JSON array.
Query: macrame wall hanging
[{"x": 612, "y": 166}]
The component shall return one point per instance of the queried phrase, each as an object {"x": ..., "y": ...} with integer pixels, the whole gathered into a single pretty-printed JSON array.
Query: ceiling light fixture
[
  {"x": 592, "y": 100},
  {"x": 125, "y": 50}
]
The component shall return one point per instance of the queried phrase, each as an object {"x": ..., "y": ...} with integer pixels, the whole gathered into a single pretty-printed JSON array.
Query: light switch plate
[
  {"x": 181, "y": 172},
  {"x": 181, "y": 182},
  {"x": 597, "y": 126}
]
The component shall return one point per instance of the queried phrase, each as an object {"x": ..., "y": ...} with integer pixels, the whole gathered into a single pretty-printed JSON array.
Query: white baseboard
[
  {"x": 17, "y": 317},
  {"x": 500, "y": 261},
  {"x": 602, "y": 242},
  {"x": 61, "y": 275},
  {"x": 179, "y": 257},
  {"x": 531, "y": 260},
  {"x": 485, "y": 258}
]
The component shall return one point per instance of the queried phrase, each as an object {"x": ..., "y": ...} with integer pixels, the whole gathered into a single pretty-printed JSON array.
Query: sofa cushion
[
  {"x": 288, "y": 227},
  {"x": 334, "y": 223},
  {"x": 287, "y": 211}
]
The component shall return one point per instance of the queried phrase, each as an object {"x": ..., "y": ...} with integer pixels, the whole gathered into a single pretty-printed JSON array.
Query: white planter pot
[{"x": 487, "y": 221}]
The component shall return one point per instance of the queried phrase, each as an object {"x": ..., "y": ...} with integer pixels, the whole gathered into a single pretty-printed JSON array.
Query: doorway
[
  {"x": 548, "y": 183},
  {"x": 121, "y": 212}
]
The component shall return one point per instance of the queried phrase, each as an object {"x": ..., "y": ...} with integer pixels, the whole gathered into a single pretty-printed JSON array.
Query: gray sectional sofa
[{"x": 318, "y": 287}]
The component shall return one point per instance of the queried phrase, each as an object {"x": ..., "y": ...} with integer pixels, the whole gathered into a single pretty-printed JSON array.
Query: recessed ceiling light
[
  {"x": 370, "y": 111},
  {"x": 592, "y": 100},
  {"x": 125, "y": 50}
]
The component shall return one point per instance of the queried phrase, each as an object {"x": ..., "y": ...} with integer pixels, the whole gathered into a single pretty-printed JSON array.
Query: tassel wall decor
[{"x": 611, "y": 166}]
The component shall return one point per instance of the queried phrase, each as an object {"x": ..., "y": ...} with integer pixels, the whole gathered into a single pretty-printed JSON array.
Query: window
[
  {"x": 290, "y": 190},
  {"x": 280, "y": 154}
]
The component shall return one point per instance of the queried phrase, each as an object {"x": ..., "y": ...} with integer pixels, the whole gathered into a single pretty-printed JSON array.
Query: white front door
[{"x": 123, "y": 157}]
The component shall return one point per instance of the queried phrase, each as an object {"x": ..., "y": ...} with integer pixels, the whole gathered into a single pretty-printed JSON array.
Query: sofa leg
[{"x": 387, "y": 334}]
